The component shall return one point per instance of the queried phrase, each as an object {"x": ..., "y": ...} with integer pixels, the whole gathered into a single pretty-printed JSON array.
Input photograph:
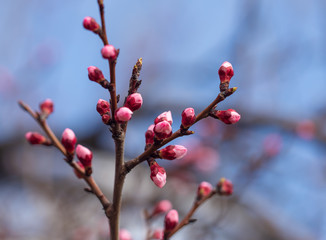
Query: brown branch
[
  {"x": 145, "y": 155},
  {"x": 68, "y": 158},
  {"x": 187, "y": 219}
]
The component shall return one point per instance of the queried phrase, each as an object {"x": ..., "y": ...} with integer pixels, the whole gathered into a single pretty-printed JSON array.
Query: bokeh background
[{"x": 275, "y": 155}]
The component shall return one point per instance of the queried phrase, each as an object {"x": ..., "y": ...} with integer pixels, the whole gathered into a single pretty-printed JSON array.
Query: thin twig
[
  {"x": 187, "y": 219},
  {"x": 68, "y": 158}
]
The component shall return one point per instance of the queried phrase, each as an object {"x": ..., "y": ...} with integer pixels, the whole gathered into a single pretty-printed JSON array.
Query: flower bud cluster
[
  {"x": 163, "y": 125},
  {"x": 103, "y": 108},
  {"x": 133, "y": 103},
  {"x": 224, "y": 187}
]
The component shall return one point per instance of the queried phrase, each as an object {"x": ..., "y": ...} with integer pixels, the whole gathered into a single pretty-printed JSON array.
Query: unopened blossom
[
  {"x": 106, "y": 118},
  {"x": 161, "y": 207},
  {"x": 35, "y": 138},
  {"x": 124, "y": 235},
  {"x": 90, "y": 23},
  {"x": 102, "y": 107},
  {"x": 158, "y": 234},
  {"x": 95, "y": 74},
  {"x": 134, "y": 101},
  {"x": 224, "y": 187},
  {"x": 225, "y": 72},
  {"x": 229, "y": 116},
  {"x": 69, "y": 140},
  {"x": 109, "y": 52},
  {"x": 188, "y": 117},
  {"x": 165, "y": 116},
  {"x": 84, "y": 155},
  {"x": 123, "y": 114},
  {"x": 204, "y": 189},
  {"x": 171, "y": 220},
  {"x": 158, "y": 174},
  {"x": 78, "y": 175},
  {"x": 149, "y": 135},
  {"x": 162, "y": 130},
  {"x": 47, "y": 106},
  {"x": 172, "y": 152}
]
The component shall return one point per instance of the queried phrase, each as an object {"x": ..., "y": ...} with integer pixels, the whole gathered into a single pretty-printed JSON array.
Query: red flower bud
[
  {"x": 35, "y": 138},
  {"x": 165, "y": 116},
  {"x": 224, "y": 187},
  {"x": 46, "y": 107},
  {"x": 109, "y": 52},
  {"x": 90, "y": 24},
  {"x": 229, "y": 116},
  {"x": 204, "y": 189},
  {"x": 134, "y": 101},
  {"x": 95, "y": 74},
  {"x": 124, "y": 235},
  {"x": 84, "y": 155},
  {"x": 78, "y": 175},
  {"x": 225, "y": 72},
  {"x": 103, "y": 107},
  {"x": 171, "y": 220},
  {"x": 69, "y": 140},
  {"x": 158, "y": 174},
  {"x": 106, "y": 118},
  {"x": 149, "y": 135},
  {"x": 188, "y": 117},
  {"x": 163, "y": 130},
  {"x": 158, "y": 234},
  {"x": 123, "y": 114},
  {"x": 161, "y": 207},
  {"x": 172, "y": 152}
]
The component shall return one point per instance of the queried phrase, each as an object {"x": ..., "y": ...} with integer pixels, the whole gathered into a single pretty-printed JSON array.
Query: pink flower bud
[
  {"x": 46, "y": 106},
  {"x": 158, "y": 234},
  {"x": 69, "y": 140},
  {"x": 35, "y": 138},
  {"x": 204, "y": 189},
  {"x": 95, "y": 74},
  {"x": 158, "y": 175},
  {"x": 225, "y": 72},
  {"x": 84, "y": 155},
  {"x": 124, "y": 235},
  {"x": 163, "y": 130},
  {"x": 134, "y": 101},
  {"x": 172, "y": 152},
  {"x": 229, "y": 116},
  {"x": 224, "y": 187},
  {"x": 109, "y": 52},
  {"x": 123, "y": 114},
  {"x": 162, "y": 207},
  {"x": 171, "y": 220},
  {"x": 103, "y": 107},
  {"x": 166, "y": 116},
  {"x": 78, "y": 175},
  {"x": 106, "y": 118},
  {"x": 149, "y": 135},
  {"x": 90, "y": 24},
  {"x": 188, "y": 117}
]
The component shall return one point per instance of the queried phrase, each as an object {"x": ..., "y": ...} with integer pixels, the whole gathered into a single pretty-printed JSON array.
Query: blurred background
[{"x": 275, "y": 155}]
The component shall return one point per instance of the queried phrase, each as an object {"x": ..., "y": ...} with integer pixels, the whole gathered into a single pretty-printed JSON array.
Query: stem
[
  {"x": 114, "y": 211},
  {"x": 186, "y": 219}
]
